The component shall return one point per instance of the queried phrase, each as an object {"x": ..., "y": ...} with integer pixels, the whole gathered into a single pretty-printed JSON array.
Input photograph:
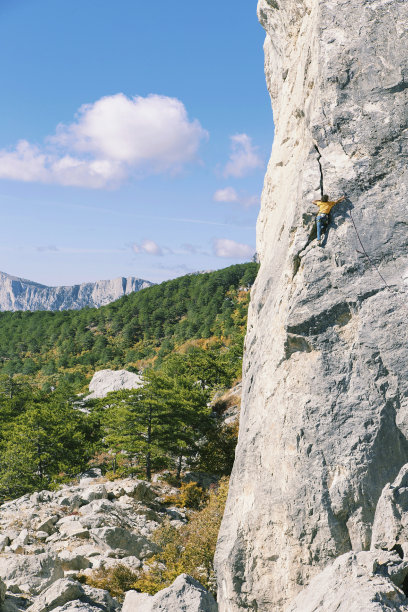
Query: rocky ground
[{"x": 48, "y": 538}]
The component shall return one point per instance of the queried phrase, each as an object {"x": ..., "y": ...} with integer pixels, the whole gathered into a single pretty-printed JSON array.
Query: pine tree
[
  {"x": 48, "y": 441},
  {"x": 159, "y": 423}
]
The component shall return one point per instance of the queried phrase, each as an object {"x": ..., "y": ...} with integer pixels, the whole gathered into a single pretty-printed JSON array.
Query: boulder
[
  {"x": 89, "y": 476},
  {"x": 105, "y": 381},
  {"x": 68, "y": 591},
  {"x": 78, "y": 606},
  {"x": 2, "y": 591},
  {"x": 390, "y": 528},
  {"x": 142, "y": 602},
  {"x": 73, "y": 529},
  {"x": 40, "y": 497},
  {"x": 86, "y": 550},
  {"x": 30, "y": 573},
  {"x": 47, "y": 524},
  {"x": 74, "y": 502},
  {"x": 59, "y": 593},
  {"x": 120, "y": 542},
  {"x": 15, "y": 603},
  {"x": 17, "y": 545},
  {"x": 139, "y": 490},
  {"x": 184, "y": 595},
  {"x": 97, "y": 506},
  {"x": 4, "y": 541},
  {"x": 71, "y": 560},
  {"x": 131, "y": 562},
  {"x": 102, "y": 598},
  {"x": 356, "y": 582},
  {"x": 91, "y": 493}
]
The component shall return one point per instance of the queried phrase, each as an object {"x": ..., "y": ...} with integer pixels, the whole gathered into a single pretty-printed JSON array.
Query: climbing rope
[{"x": 364, "y": 252}]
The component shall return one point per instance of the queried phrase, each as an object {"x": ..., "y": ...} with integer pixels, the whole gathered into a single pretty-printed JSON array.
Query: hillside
[
  {"x": 175, "y": 430},
  {"x": 135, "y": 331},
  {"x": 21, "y": 294}
]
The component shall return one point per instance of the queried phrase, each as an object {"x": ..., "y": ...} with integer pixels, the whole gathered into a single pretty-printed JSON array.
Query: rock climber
[{"x": 322, "y": 219}]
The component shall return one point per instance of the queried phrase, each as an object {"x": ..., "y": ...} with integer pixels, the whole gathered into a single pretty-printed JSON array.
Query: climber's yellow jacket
[{"x": 325, "y": 207}]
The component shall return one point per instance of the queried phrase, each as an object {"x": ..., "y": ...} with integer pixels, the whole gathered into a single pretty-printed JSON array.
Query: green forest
[
  {"x": 136, "y": 331},
  {"x": 185, "y": 336}
]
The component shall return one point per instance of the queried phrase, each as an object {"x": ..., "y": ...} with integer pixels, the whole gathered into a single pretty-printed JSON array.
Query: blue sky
[{"x": 134, "y": 137}]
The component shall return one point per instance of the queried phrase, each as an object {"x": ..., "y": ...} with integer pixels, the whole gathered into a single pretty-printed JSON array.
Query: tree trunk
[
  {"x": 149, "y": 441},
  {"x": 148, "y": 467},
  {"x": 179, "y": 464}
]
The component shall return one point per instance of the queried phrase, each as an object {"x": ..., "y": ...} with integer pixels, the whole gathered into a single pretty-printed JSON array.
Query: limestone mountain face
[
  {"x": 324, "y": 418},
  {"x": 21, "y": 294}
]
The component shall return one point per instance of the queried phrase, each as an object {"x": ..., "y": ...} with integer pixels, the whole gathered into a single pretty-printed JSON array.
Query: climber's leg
[{"x": 319, "y": 225}]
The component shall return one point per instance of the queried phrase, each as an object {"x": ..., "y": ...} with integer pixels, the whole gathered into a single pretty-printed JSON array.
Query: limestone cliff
[
  {"x": 324, "y": 420},
  {"x": 21, "y": 294}
]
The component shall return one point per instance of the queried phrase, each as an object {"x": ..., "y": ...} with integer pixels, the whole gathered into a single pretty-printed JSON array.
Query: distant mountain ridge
[{"x": 22, "y": 294}]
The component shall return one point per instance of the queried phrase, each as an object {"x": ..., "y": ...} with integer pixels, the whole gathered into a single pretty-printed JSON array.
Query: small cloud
[
  {"x": 45, "y": 249},
  {"x": 226, "y": 195},
  {"x": 223, "y": 247},
  {"x": 178, "y": 268},
  {"x": 230, "y": 195},
  {"x": 109, "y": 140},
  {"x": 148, "y": 246},
  {"x": 244, "y": 157}
]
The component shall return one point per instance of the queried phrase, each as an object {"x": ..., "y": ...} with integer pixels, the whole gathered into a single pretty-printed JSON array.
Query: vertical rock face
[{"x": 324, "y": 422}]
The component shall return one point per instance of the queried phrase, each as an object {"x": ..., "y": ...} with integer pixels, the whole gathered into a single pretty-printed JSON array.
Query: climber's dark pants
[{"x": 322, "y": 221}]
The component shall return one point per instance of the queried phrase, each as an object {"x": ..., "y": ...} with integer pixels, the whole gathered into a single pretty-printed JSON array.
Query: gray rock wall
[
  {"x": 324, "y": 420},
  {"x": 21, "y": 294}
]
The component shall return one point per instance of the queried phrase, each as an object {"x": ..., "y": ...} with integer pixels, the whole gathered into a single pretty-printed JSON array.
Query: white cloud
[
  {"x": 226, "y": 195},
  {"x": 45, "y": 249},
  {"x": 109, "y": 140},
  {"x": 230, "y": 195},
  {"x": 223, "y": 247},
  {"x": 148, "y": 246},
  {"x": 244, "y": 157}
]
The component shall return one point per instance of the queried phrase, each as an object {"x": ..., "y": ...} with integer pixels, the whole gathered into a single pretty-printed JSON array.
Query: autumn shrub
[
  {"x": 189, "y": 549},
  {"x": 117, "y": 580},
  {"x": 190, "y": 496}
]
